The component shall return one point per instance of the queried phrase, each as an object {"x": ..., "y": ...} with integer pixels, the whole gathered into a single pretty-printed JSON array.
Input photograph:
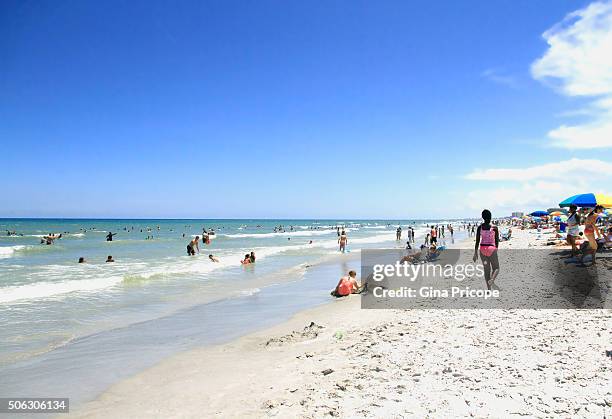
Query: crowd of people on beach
[{"x": 585, "y": 230}]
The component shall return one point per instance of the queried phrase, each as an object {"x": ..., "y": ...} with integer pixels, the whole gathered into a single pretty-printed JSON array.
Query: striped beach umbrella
[{"x": 588, "y": 200}]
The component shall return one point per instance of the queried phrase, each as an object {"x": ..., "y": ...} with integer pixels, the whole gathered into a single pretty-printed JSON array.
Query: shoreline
[{"x": 416, "y": 362}]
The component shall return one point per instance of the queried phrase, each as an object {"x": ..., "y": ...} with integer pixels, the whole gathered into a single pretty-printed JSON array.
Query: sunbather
[{"x": 347, "y": 285}]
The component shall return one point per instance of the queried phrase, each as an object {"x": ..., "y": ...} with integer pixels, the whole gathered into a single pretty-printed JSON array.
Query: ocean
[{"x": 57, "y": 315}]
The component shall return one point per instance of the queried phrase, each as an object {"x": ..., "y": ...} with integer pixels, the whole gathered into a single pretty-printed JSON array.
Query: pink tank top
[
  {"x": 487, "y": 237},
  {"x": 487, "y": 241}
]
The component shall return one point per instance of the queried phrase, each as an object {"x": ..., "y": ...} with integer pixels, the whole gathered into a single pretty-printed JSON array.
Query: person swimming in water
[
  {"x": 487, "y": 242},
  {"x": 252, "y": 257},
  {"x": 193, "y": 246},
  {"x": 213, "y": 258},
  {"x": 109, "y": 259},
  {"x": 246, "y": 260},
  {"x": 109, "y": 236}
]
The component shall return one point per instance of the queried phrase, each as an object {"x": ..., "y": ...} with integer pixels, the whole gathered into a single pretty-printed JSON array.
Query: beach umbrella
[
  {"x": 588, "y": 200},
  {"x": 539, "y": 214},
  {"x": 556, "y": 213}
]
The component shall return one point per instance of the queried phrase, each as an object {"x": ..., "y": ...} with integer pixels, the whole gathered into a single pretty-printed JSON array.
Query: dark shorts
[
  {"x": 434, "y": 240},
  {"x": 190, "y": 250}
]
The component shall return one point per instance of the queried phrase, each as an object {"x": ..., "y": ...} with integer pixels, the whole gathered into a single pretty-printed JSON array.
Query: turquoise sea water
[{"x": 49, "y": 302}]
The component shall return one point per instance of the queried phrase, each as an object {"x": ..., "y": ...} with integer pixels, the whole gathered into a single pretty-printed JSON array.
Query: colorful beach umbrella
[
  {"x": 539, "y": 214},
  {"x": 588, "y": 200},
  {"x": 556, "y": 213}
]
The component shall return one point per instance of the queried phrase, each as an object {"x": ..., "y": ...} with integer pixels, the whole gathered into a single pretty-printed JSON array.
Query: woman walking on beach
[
  {"x": 590, "y": 228},
  {"x": 487, "y": 241}
]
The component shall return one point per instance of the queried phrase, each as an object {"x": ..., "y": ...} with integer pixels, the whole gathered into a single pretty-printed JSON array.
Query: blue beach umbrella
[
  {"x": 588, "y": 200},
  {"x": 539, "y": 213}
]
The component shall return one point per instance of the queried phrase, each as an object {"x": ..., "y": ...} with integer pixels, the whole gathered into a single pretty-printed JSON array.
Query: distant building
[{"x": 518, "y": 214}]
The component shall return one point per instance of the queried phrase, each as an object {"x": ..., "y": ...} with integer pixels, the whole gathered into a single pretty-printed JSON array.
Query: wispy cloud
[
  {"x": 526, "y": 197},
  {"x": 570, "y": 169},
  {"x": 578, "y": 63},
  {"x": 535, "y": 187},
  {"x": 498, "y": 76}
]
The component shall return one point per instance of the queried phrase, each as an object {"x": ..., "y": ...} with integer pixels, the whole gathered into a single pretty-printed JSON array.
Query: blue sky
[{"x": 289, "y": 109}]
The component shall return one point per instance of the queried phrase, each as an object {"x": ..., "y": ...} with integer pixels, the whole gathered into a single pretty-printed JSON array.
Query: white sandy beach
[{"x": 340, "y": 360}]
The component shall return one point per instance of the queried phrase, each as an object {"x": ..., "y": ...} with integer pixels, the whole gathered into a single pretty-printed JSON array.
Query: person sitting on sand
[
  {"x": 109, "y": 259},
  {"x": 347, "y": 285},
  {"x": 487, "y": 239},
  {"x": 434, "y": 250},
  {"x": 213, "y": 258},
  {"x": 193, "y": 246},
  {"x": 607, "y": 239},
  {"x": 246, "y": 260},
  {"x": 414, "y": 257}
]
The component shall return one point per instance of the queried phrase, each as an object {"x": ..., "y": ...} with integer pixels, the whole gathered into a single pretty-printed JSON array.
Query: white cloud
[
  {"x": 530, "y": 196},
  {"x": 537, "y": 187},
  {"x": 578, "y": 62},
  {"x": 595, "y": 135},
  {"x": 573, "y": 168}
]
